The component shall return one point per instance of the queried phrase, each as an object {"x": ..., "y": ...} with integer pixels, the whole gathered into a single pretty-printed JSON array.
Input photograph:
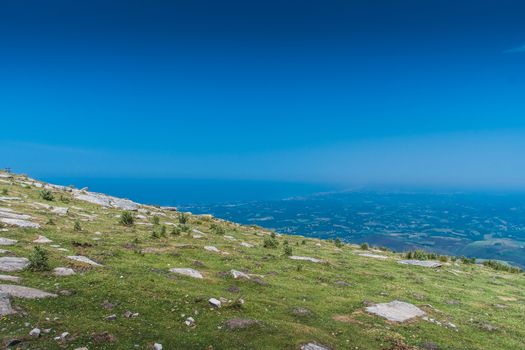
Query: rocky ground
[{"x": 82, "y": 270}]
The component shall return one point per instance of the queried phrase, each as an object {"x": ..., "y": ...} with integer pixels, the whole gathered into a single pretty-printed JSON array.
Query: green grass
[{"x": 140, "y": 282}]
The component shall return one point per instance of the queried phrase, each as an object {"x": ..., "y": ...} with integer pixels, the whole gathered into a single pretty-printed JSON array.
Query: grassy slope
[{"x": 141, "y": 283}]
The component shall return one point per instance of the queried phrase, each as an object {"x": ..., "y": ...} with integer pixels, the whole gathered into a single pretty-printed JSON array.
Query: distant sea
[{"x": 191, "y": 191}]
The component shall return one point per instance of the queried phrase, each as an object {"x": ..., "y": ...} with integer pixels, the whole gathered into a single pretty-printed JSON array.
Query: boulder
[
  {"x": 396, "y": 311},
  {"x": 374, "y": 256},
  {"x": 5, "y": 305},
  {"x": 238, "y": 274},
  {"x": 42, "y": 240},
  {"x": 19, "y": 223},
  {"x": 305, "y": 258},
  {"x": 83, "y": 259},
  {"x": 240, "y": 323},
  {"x": 11, "y": 263},
  {"x": 187, "y": 272},
  {"x": 60, "y": 210},
  {"x": 24, "y": 292},
  {"x": 9, "y": 278},
  {"x": 7, "y": 241},
  {"x": 423, "y": 263},
  {"x": 314, "y": 346},
  {"x": 63, "y": 271}
]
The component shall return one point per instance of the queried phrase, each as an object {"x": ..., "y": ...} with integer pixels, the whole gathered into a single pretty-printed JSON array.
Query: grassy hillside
[{"x": 289, "y": 302}]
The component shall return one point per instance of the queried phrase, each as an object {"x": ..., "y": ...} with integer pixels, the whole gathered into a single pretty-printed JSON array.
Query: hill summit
[{"x": 85, "y": 270}]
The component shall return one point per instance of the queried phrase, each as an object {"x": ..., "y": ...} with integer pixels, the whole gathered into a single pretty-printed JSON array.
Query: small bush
[
  {"x": 270, "y": 242},
  {"x": 303, "y": 242},
  {"x": 4, "y": 191},
  {"x": 287, "y": 250},
  {"x": 496, "y": 265},
  {"x": 155, "y": 220},
  {"x": 126, "y": 218},
  {"x": 77, "y": 226},
  {"x": 338, "y": 243},
  {"x": 217, "y": 229},
  {"x": 175, "y": 231},
  {"x": 364, "y": 246},
  {"x": 50, "y": 221},
  {"x": 39, "y": 260},
  {"x": 183, "y": 218},
  {"x": 47, "y": 195},
  {"x": 185, "y": 228}
]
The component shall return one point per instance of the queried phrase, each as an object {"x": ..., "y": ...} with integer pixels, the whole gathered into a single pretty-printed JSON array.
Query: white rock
[
  {"x": 12, "y": 215},
  {"x": 60, "y": 210},
  {"x": 424, "y": 263},
  {"x": 5, "y": 305},
  {"x": 211, "y": 248},
  {"x": 313, "y": 346},
  {"x": 374, "y": 256},
  {"x": 24, "y": 292},
  {"x": 238, "y": 274},
  {"x": 83, "y": 259},
  {"x": 9, "y": 278},
  {"x": 19, "y": 223},
  {"x": 214, "y": 302},
  {"x": 157, "y": 346},
  {"x": 305, "y": 258},
  {"x": 11, "y": 263},
  {"x": 7, "y": 241},
  {"x": 187, "y": 272},
  {"x": 247, "y": 245},
  {"x": 35, "y": 332},
  {"x": 63, "y": 271},
  {"x": 8, "y": 199},
  {"x": 396, "y": 311},
  {"x": 189, "y": 321},
  {"x": 42, "y": 240}
]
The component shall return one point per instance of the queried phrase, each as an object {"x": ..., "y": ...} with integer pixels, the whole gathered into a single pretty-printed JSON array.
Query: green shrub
[
  {"x": 185, "y": 228},
  {"x": 39, "y": 260},
  {"x": 183, "y": 218},
  {"x": 338, "y": 243},
  {"x": 47, "y": 195},
  {"x": 175, "y": 231},
  {"x": 126, "y": 218},
  {"x": 155, "y": 220},
  {"x": 77, "y": 226},
  {"x": 496, "y": 265},
  {"x": 50, "y": 221},
  {"x": 4, "y": 191},
  {"x": 287, "y": 250},
  {"x": 270, "y": 242},
  {"x": 217, "y": 229},
  {"x": 364, "y": 246}
]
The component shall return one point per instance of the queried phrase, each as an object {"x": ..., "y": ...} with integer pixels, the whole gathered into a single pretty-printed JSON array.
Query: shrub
[
  {"x": 496, "y": 265},
  {"x": 47, "y": 195},
  {"x": 183, "y": 218},
  {"x": 270, "y": 242},
  {"x": 77, "y": 226},
  {"x": 126, "y": 218},
  {"x": 155, "y": 220},
  {"x": 287, "y": 250},
  {"x": 38, "y": 260},
  {"x": 175, "y": 231},
  {"x": 303, "y": 242},
  {"x": 217, "y": 229},
  {"x": 185, "y": 228},
  {"x": 4, "y": 191},
  {"x": 50, "y": 221},
  {"x": 364, "y": 246},
  {"x": 338, "y": 243}
]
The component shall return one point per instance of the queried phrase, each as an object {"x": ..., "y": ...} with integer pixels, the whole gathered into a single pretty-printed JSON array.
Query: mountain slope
[{"x": 131, "y": 299}]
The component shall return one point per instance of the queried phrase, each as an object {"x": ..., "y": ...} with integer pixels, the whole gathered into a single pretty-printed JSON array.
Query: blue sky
[{"x": 368, "y": 92}]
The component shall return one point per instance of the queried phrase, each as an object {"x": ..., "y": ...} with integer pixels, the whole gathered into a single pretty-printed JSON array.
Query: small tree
[
  {"x": 47, "y": 195},
  {"x": 270, "y": 242},
  {"x": 126, "y": 218},
  {"x": 77, "y": 226},
  {"x": 156, "y": 220},
  {"x": 364, "y": 246},
  {"x": 287, "y": 250},
  {"x": 183, "y": 218},
  {"x": 338, "y": 243},
  {"x": 38, "y": 260}
]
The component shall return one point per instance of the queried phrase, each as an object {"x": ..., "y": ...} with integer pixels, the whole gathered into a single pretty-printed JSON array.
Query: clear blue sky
[{"x": 358, "y": 92}]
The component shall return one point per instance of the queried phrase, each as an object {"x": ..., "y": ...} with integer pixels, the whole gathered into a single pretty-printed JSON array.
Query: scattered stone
[
  {"x": 83, "y": 259},
  {"x": 488, "y": 327},
  {"x": 12, "y": 264},
  {"x": 247, "y": 245},
  {"x": 103, "y": 337},
  {"x": 240, "y": 323},
  {"x": 7, "y": 241},
  {"x": 4, "y": 251},
  {"x": 12, "y": 342},
  {"x": 10, "y": 214},
  {"x": 60, "y": 210},
  {"x": 374, "y": 256},
  {"x": 189, "y": 321},
  {"x": 35, "y": 333},
  {"x": 42, "y": 240},
  {"x": 82, "y": 348},
  {"x": 343, "y": 283},
  {"x": 24, "y": 292},
  {"x": 429, "y": 346},
  {"x": 396, "y": 311},
  {"x": 313, "y": 346},
  {"x": 305, "y": 258},
  {"x": 234, "y": 289},
  {"x": 187, "y": 272},
  {"x": 105, "y": 200},
  {"x": 8, "y": 199},
  {"x": 214, "y": 302},
  {"x": 423, "y": 263},
  {"x": 19, "y": 223},
  {"x": 64, "y": 335},
  {"x": 129, "y": 314},
  {"x": 9, "y": 278},
  {"x": 5, "y": 305},
  {"x": 157, "y": 346},
  {"x": 238, "y": 274},
  {"x": 107, "y": 305},
  {"x": 301, "y": 311},
  {"x": 211, "y": 248},
  {"x": 63, "y": 271},
  {"x": 111, "y": 317}
]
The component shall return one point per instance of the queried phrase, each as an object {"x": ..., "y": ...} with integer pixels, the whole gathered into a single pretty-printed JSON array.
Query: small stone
[
  {"x": 240, "y": 323},
  {"x": 189, "y": 321},
  {"x": 157, "y": 346},
  {"x": 111, "y": 317},
  {"x": 396, "y": 311},
  {"x": 238, "y": 274},
  {"x": 35, "y": 333},
  {"x": 42, "y": 240},
  {"x": 11, "y": 264},
  {"x": 7, "y": 241},
  {"x": 301, "y": 311},
  {"x": 187, "y": 272},
  {"x": 305, "y": 258},
  {"x": 84, "y": 260},
  {"x": 215, "y": 302},
  {"x": 63, "y": 271},
  {"x": 423, "y": 263},
  {"x": 64, "y": 335},
  {"x": 314, "y": 346}
]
